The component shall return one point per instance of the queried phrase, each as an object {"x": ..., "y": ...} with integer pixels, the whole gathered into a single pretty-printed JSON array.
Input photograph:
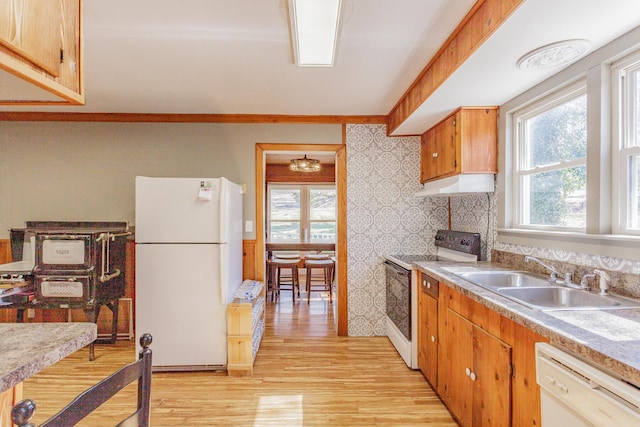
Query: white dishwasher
[{"x": 576, "y": 394}]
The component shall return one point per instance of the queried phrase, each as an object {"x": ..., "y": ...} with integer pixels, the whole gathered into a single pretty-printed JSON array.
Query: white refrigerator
[{"x": 188, "y": 264}]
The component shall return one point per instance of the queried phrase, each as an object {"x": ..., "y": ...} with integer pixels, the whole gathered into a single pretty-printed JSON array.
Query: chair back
[{"x": 95, "y": 396}]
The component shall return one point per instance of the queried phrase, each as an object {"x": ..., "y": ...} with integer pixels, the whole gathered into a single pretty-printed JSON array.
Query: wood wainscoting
[{"x": 249, "y": 259}]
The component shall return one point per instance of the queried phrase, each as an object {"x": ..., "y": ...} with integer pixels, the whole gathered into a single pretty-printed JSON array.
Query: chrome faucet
[
  {"x": 604, "y": 281},
  {"x": 584, "y": 282},
  {"x": 553, "y": 276}
]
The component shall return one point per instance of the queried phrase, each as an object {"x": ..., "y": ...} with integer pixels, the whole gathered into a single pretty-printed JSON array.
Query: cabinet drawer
[{"x": 429, "y": 285}]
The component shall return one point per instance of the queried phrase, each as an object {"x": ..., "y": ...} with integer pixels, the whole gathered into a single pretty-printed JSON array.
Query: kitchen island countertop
[
  {"x": 28, "y": 348},
  {"x": 607, "y": 338}
]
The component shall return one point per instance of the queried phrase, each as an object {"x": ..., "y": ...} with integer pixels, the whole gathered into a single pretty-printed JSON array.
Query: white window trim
[
  {"x": 598, "y": 239},
  {"x": 268, "y": 211},
  {"x": 620, "y": 152},
  {"x": 546, "y": 103},
  {"x": 305, "y": 201}
]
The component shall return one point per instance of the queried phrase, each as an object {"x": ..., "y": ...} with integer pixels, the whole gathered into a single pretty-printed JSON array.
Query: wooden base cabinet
[
  {"x": 428, "y": 328},
  {"x": 478, "y": 384},
  {"x": 486, "y": 365}
]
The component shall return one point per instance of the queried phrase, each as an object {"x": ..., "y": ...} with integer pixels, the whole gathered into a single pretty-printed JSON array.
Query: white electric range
[{"x": 402, "y": 288}]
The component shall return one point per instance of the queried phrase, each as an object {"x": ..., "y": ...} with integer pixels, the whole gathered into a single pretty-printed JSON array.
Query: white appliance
[
  {"x": 574, "y": 393},
  {"x": 188, "y": 265},
  {"x": 402, "y": 288}
]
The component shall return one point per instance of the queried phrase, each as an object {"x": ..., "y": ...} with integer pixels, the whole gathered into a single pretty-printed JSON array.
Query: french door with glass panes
[{"x": 301, "y": 213}]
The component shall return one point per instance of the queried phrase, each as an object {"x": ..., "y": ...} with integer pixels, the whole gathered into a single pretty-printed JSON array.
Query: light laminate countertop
[
  {"x": 28, "y": 348},
  {"x": 609, "y": 339}
]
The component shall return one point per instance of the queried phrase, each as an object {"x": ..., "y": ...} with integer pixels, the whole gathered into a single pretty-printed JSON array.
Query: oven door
[
  {"x": 64, "y": 289},
  {"x": 398, "y": 287},
  {"x": 63, "y": 252}
]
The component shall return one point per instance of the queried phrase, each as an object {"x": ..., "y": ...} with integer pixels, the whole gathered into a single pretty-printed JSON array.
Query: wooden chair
[{"x": 94, "y": 397}]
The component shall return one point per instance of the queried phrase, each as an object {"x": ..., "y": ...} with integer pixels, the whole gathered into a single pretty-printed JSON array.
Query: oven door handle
[{"x": 397, "y": 269}]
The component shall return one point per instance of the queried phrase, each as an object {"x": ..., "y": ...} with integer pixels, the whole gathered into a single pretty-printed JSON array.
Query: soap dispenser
[{"x": 604, "y": 281}]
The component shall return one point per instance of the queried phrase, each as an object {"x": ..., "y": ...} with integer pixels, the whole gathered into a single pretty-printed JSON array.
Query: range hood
[{"x": 459, "y": 184}]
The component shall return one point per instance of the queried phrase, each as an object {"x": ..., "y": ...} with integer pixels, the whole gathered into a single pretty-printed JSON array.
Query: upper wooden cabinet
[
  {"x": 466, "y": 141},
  {"x": 41, "y": 52}
]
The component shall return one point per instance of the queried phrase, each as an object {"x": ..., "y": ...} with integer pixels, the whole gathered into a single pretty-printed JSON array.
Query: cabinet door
[
  {"x": 491, "y": 380},
  {"x": 438, "y": 150},
  {"x": 431, "y": 366},
  {"x": 446, "y": 147},
  {"x": 428, "y": 160},
  {"x": 33, "y": 30},
  {"x": 423, "y": 330},
  {"x": 459, "y": 366},
  {"x": 428, "y": 335}
]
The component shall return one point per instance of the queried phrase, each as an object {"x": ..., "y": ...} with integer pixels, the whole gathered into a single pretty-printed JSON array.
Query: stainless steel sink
[
  {"x": 539, "y": 293},
  {"x": 504, "y": 279},
  {"x": 561, "y": 298}
]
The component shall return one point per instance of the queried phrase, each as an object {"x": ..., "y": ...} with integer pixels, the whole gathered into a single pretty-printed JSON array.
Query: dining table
[{"x": 310, "y": 246}]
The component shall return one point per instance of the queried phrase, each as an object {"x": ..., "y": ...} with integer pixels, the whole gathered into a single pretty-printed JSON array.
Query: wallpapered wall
[{"x": 384, "y": 217}]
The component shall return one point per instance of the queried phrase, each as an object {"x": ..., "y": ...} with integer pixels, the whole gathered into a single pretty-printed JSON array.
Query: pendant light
[{"x": 305, "y": 165}]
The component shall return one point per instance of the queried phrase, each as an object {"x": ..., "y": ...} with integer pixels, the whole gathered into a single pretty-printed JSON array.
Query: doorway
[{"x": 261, "y": 151}]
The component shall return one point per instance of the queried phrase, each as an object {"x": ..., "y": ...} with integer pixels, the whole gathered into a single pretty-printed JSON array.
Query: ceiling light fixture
[
  {"x": 313, "y": 26},
  {"x": 305, "y": 165},
  {"x": 554, "y": 54}
]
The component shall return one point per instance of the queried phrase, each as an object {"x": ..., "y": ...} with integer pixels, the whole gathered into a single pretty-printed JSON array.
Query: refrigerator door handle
[
  {"x": 222, "y": 206},
  {"x": 224, "y": 274}
]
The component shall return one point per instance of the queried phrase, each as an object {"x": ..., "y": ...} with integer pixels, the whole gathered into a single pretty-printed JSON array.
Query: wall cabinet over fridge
[
  {"x": 41, "y": 52},
  {"x": 464, "y": 142}
]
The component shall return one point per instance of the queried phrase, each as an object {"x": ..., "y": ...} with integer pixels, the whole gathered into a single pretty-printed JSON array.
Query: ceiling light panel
[{"x": 315, "y": 31}]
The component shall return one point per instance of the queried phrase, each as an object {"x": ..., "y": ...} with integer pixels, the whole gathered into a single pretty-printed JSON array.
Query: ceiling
[{"x": 233, "y": 57}]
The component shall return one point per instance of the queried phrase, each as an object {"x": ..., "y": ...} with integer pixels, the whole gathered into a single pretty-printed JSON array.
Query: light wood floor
[{"x": 304, "y": 375}]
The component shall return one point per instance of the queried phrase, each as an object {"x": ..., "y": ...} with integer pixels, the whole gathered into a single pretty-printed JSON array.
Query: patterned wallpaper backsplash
[{"x": 383, "y": 217}]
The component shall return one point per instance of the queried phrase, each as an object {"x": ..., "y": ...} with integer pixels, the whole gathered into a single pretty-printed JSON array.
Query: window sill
[{"x": 617, "y": 246}]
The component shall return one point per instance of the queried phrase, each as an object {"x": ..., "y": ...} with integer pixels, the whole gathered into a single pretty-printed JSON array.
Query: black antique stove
[{"x": 75, "y": 265}]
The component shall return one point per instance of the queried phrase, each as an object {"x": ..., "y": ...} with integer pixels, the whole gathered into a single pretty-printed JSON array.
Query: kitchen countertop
[
  {"x": 607, "y": 338},
  {"x": 28, "y": 348}
]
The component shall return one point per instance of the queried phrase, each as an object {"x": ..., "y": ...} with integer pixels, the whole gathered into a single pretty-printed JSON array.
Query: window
[
  {"x": 301, "y": 212},
  {"x": 546, "y": 201},
  {"x": 550, "y": 174},
  {"x": 626, "y": 146}
]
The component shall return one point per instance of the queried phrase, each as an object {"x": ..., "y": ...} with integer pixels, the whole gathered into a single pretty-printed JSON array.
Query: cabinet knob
[
  {"x": 424, "y": 283},
  {"x": 472, "y": 376},
  {"x": 433, "y": 338},
  {"x": 434, "y": 155},
  {"x": 467, "y": 371},
  {"x": 428, "y": 285}
]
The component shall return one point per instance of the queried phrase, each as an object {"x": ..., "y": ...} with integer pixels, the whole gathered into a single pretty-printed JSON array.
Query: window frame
[
  {"x": 598, "y": 239},
  {"x": 305, "y": 208},
  {"x": 518, "y": 117},
  {"x": 268, "y": 210},
  {"x": 622, "y": 116}
]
